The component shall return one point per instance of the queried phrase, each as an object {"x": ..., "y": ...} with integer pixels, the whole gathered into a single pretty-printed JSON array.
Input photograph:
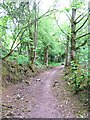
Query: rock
[
  {"x": 7, "y": 95},
  {"x": 27, "y": 82},
  {"x": 19, "y": 114},
  {"x": 61, "y": 105},
  {"x": 10, "y": 106},
  {"x": 26, "y": 101},
  {"x": 21, "y": 98},
  {"x": 29, "y": 111},
  {"x": 38, "y": 79},
  {"x": 55, "y": 83},
  {"x": 18, "y": 97},
  {"x": 26, "y": 110}
]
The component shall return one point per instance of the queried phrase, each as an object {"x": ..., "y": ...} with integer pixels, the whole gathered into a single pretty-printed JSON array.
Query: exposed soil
[{"x": 44, "y": 96}]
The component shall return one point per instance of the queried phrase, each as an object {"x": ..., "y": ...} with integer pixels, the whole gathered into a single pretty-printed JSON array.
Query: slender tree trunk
[
  {"x": 35, "y": 30},
  {"x": 46, "y": 55},
  {"x": 67, "y": 52},
  {"x": 31, "y": 48},
  {"x": 32, "y": 55},
  {"x": 73, "y": 36},
  {"x": 28, "y": 49},
  {"x": 30, "y": 65},
  {"x": 89, "y": 43},
  {"x": 20, "y": 49}
]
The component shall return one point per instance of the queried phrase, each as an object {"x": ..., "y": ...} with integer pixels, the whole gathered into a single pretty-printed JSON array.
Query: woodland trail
[{"x": 45, "y": 96}]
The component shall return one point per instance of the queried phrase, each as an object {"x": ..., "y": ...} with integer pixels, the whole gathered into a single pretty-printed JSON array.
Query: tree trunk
[
  {"x": 46, "y": 55},
  {"x": 32, "y": 55},
  {"x": 89, "y": 42},
  {"x": 73, "y": 36},
  {"x": 20, "y": 49},
  {"x": 35, "y": 30},
  {"x": 28, "y": 49},
  {"x": 67, "y": 52}
]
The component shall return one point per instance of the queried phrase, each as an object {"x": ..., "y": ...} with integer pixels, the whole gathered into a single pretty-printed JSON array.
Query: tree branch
[
  {"x": 11, "y": 50},
  {"x": 38, "y": 3},
  {"x": 81, "y": 25},
  {"x": 81, "y": 45},
  {"x": 61, "y": 28},
  {"x": 80, "y": 19},
  {"x": 68, "y": 16},
  {"x": 82, "y": 36},
  {"x": 79, "y": 16},
  {"x": 15, "y": 40}
]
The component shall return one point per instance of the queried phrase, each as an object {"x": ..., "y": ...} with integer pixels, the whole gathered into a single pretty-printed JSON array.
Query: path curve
[{"x": 44, "y": 97}]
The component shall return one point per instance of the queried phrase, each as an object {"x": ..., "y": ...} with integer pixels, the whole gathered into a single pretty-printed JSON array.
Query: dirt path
[{"x": 44, "y": 96}]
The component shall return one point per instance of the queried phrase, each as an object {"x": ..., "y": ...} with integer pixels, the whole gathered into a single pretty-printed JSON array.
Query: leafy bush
[
  {"x": 54, "y": 64},
  {"x": 77, "y": 77},
  {"x": 22, "y": 59}
]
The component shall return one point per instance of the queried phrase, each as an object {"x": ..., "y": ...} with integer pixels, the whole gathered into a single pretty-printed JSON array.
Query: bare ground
[{"x": 44, "y": 96}]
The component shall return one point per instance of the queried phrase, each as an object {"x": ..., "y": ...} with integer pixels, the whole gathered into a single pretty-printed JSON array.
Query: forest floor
[{"x": 44, "y": 96}]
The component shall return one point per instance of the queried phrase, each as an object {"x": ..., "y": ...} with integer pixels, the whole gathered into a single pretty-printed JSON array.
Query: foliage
[
  {"x": 20, "y": 59},
  {"x": 77, "y": 77},
  {"x": 25, "y": 34},
  {"x": 54, "y": 64}
]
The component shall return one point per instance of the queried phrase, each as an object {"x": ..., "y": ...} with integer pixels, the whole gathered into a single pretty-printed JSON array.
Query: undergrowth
[
  {"x": 76, "y": 77},
  {"x": 12, "y": 72}
]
